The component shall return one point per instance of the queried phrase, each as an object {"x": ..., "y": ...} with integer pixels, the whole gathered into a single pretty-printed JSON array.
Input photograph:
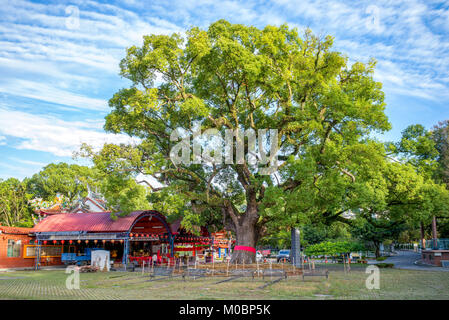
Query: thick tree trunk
[
  {"x": 377, "y": 246},
  {"x": 245, "y": 225},
  {"x": 434, "y": 232},
  {"x": 434, "y": 228},
  {"x": 423, "y": 237},
  {"x": 246, "y": 236},
  {"x": 246, "y": 232}
]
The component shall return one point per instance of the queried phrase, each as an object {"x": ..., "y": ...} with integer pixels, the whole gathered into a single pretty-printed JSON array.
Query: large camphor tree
[{"x": 233, "y": 76}]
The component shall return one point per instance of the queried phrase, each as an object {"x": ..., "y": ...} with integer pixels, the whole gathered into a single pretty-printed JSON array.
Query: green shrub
[
  {"x": 385, "y": 265},
  {"x": 333, "y": 248},
  {"x": 381, "y": 258}
]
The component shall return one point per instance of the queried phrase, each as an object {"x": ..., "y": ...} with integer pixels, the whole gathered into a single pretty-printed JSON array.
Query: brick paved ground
[{"x": 395, "y": 284}]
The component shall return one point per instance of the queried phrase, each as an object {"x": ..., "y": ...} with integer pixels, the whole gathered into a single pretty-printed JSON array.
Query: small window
[{"x": 14, "y": 248}]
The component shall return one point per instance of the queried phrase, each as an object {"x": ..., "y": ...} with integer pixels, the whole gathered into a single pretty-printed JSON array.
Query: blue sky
[{"x": 59, "y": 61}]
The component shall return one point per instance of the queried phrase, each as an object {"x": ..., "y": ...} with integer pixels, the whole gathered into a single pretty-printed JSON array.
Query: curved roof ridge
[
  {"x": 90, "y": 222},
  {"x": 15, "y": 230}
]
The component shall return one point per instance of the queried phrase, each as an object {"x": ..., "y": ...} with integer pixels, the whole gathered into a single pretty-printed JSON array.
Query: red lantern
[
  {"x": 54, "y": 241},
  {"x": 112, "y": 241},
  {"x": 45, "y": 241},
  {"x": 62, "y": 241},
  {"x": 87, "y": 241},
  {"x": 104, "y": 241},
  {"x": 131, "y": 235},
  {"x": 70, "y": 241},
  {"x": 95, "y": 241},
  {"x": 79, "y": 241}
]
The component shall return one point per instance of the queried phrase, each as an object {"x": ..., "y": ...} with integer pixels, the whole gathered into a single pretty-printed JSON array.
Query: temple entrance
[{"x": 150, "y": 240}]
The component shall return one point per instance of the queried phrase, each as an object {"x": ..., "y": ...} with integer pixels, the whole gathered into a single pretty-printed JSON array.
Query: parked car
[{"x": 283, "y": 254}]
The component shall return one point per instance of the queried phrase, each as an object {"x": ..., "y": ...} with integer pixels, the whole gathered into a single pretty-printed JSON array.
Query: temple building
[{"x": 141, "y": 236}]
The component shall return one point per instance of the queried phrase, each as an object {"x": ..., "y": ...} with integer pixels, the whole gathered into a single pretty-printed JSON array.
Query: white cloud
[
  {"x": 410, "y": 43},
  {"x": 48, "y": 134},
  {"x": 43, "y": 59},
  {"x": 18, "y": 172},
  {"x": 28, "y": 162},
  {"x": 2, "y": 141},
  {"x": 44, "y": 92},
  {"x": 408, "y": 34}
]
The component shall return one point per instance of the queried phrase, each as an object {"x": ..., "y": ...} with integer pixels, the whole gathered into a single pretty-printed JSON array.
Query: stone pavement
[{"x": 406, "y": 259}]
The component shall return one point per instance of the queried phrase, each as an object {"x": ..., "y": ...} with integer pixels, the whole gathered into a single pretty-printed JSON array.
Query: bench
[
  {"x": 243, "y": 272},
  {"x": 194, "y": 273},
  {"x": 313, "y": 273},
  {"x": 164, "y": 272},
  {"x": 274, "y": 273},
  {"x": 279, "y": 274},
  {"x": 239, "y": 273}
]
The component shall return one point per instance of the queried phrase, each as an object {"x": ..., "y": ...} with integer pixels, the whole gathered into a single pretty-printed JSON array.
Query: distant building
[
  {"x": 13, "y": 242},
  {"x": 92, "y": 203},
  {"x": 89, "y": 204}
]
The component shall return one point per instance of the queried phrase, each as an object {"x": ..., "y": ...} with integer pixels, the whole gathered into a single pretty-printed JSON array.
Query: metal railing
[{"x": 437, "y": 244}]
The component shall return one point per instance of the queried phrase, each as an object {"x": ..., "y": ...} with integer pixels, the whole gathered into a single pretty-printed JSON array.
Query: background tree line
[{"x": 413, "y": 184}]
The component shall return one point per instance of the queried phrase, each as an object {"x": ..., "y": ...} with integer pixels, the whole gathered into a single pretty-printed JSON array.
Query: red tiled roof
[
  {"x": 15, "y": 230},
  {"x": 89, "y": 222}
]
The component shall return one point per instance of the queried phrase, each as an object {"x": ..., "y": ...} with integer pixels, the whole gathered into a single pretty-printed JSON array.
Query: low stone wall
[{"x": 434, "y": 257}]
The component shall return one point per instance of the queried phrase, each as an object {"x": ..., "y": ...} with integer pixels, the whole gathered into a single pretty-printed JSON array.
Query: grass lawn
[{"x": 394, "y": 284}]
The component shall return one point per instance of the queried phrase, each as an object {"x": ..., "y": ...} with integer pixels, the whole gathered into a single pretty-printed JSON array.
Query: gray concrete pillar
[{"x": 295, "y": 253}]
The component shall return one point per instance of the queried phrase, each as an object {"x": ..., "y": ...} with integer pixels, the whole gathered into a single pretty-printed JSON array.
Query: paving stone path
[
  {"x": 407, "y": 260},
  {"x": 32, "y": 289}
]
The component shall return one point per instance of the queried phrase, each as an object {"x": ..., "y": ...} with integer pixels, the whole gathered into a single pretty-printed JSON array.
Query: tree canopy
[
  {"x": 233, "y": 76},
  {"x": 14, "y": 209},
  {"x": 69, "y": 180}
]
